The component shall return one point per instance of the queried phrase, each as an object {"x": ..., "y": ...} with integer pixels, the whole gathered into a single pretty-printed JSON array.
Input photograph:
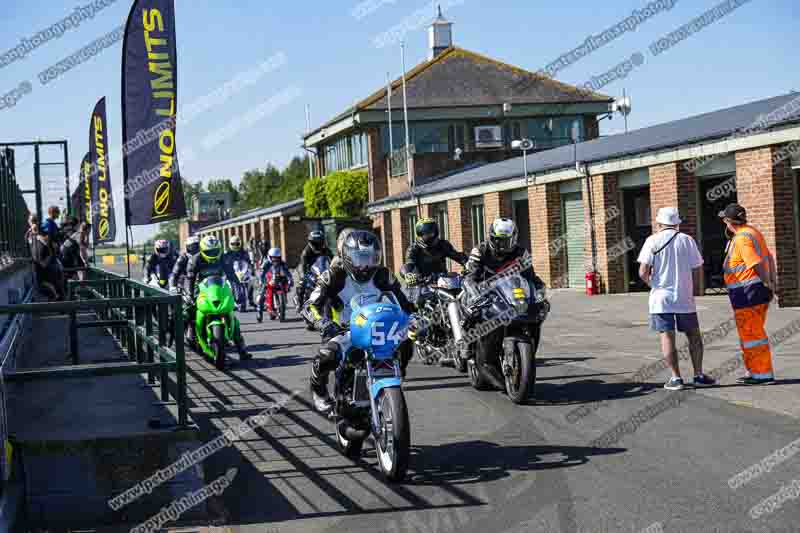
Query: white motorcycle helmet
[
  {"x": 274, "y": 253},
  {"x": 193, "y": 245},
  {"x": 162, "y": 248}
]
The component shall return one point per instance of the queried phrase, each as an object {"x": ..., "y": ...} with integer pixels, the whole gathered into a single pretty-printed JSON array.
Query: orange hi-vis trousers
[{"x": 750, "y": 322}]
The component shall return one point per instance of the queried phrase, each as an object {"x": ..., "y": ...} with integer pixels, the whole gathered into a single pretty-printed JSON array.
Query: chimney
[{"x": 440, "y": 35}]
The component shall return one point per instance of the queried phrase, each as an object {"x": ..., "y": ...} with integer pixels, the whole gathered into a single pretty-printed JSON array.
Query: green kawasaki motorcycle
[{"x": 216, "y": 324}]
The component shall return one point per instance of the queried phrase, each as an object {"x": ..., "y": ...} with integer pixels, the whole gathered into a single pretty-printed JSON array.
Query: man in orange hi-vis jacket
[{"x": 750, "y": 277}]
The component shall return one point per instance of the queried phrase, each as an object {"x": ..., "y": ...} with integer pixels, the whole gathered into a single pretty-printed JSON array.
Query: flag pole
[
  {"x": 389, "y": 103},
  {"x": 409, "y": 159}
]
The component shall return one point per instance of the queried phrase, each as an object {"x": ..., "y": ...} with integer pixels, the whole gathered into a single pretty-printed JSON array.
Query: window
[
  {"x": 431, "y": 137},
  {"x": 398, "y": 137},
  {"x": 551, "y": 132},
  {"x": 642, "y": 211},
  {"x": 478, "y": 229},
  {"x": 346, "y": 152},
  {"x": 412, "y": 222}
]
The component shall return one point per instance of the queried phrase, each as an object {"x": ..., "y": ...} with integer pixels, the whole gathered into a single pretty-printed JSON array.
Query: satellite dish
[{"x": 622, "y": 106}]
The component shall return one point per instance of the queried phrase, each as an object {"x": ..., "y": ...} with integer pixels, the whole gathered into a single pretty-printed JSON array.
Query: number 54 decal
[{"x": 379, "y": 337}]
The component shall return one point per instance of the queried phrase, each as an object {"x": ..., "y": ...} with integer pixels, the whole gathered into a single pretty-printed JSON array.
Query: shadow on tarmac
[{"x": 479, "y": 461}]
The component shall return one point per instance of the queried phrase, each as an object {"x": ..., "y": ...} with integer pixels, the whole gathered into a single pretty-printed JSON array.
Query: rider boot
[
  {"x": 188, "y": 320},
  {"x": 241, "y": 347},
  {"x": 406, "y": 350},
  {"x": 323, "y": 364}
]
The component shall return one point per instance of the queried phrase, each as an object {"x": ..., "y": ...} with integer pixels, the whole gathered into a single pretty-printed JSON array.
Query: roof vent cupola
[{"x": 440, "y": 35}]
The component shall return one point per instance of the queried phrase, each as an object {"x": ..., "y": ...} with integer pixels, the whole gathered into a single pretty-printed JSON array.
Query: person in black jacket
[
  {"x": 428, "y": 254},
  {"x": 179, "y": 270},
  {"x": 499, "y": 251},
  {"x": 313, "y": 250},
  {"x": 357, "y": 270},
  {"x": 71, "y": 250},
  {"x": 160, "y": 263}
]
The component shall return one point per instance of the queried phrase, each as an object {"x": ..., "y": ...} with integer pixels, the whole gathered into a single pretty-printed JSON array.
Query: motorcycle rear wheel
[{"x": 218, "y": 345}]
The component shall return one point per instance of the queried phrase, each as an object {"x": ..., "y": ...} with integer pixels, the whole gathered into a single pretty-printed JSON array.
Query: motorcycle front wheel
[
  {"x": 519, "y": 384},
  {"x": 393, "y": 445},
  {"x": 218, "y": 345}
]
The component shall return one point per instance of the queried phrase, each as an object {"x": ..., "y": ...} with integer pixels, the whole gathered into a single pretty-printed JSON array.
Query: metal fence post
[
  {"x": 129, "y": 332},
  {"x": 163, "y": 319},
  {"x": 73, "y": 336},
  {"x": 148, "y": 329},
  {"x": 138, "y": 320},
  {"x": 180, "y": 365}
]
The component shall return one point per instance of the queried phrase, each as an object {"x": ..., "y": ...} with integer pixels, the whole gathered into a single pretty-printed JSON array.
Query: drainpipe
[{"x": 592, "y": 233}]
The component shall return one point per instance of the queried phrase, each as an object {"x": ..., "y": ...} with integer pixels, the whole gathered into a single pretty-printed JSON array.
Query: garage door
[{"x": 574, "y": 226}]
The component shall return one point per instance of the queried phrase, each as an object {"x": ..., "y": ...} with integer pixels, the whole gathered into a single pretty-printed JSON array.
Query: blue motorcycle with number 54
[{"x": 368, "y": 387}]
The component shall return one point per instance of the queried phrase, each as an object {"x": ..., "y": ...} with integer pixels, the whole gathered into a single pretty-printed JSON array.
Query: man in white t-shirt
[{"x": 668, "y": 260}]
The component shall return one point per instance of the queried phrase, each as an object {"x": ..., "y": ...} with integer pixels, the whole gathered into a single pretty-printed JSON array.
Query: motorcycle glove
[{"x": 326, "y": 327}]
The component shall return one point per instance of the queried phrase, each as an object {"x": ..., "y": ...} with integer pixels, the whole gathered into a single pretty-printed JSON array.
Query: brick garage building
[
  {"x": 596, "y": 215},
  {"x": 279, "y": 225}
]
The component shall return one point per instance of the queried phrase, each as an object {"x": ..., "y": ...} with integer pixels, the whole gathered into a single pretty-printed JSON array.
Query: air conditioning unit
[{"x": 488, "y": 137}]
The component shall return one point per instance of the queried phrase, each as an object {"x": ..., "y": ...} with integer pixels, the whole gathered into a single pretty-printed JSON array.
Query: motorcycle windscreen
[
  {"x": 516, "y": 290},
  {"x": 214, "y": 281}
]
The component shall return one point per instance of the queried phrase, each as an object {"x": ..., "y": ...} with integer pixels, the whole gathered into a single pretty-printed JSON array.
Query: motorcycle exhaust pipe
[
  {"x": 350, "y": 433},
  {"x": 454, "y": 313}
]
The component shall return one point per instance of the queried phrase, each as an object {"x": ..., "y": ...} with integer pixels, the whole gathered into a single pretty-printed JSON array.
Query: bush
[
  {"x": 347, "y": 193},
  {"x": 316, "y": 201}
]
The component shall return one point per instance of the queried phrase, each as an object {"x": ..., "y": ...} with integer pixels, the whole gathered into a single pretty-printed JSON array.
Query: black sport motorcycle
[{"x": 502, "y": 326}]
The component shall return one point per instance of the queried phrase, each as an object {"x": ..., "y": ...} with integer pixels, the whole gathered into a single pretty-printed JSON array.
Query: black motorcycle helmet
[
  {"x": 503, "y": 236},
  {"x": 427, "y": 231},
  {"x": 361, "y": 254},
  {"x": 317, "y": 240}
]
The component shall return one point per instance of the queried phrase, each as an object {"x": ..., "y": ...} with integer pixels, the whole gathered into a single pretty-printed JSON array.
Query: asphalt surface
[{"x": 482, "y": 464}]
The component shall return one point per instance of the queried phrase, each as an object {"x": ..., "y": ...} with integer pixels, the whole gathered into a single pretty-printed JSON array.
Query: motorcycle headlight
[{"x": 520, "y": 300}]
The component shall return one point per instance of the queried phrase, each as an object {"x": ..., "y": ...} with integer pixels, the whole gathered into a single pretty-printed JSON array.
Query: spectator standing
[
  {"x": 33, "y": 230},
  {"x": 749, "y": 270},
  {"x": 668, "y": 262},
  {"x": 50, "y": 224},
  {"x": 72, "y": 255},
  {"x": 46, "y": 265}
]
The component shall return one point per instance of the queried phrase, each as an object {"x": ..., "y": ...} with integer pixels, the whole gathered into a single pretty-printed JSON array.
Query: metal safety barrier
[{"x": 139, "y": 317}]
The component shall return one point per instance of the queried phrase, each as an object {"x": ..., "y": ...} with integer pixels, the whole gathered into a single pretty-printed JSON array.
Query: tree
[
  {"x": 268, "y": 187},
  {"x": 224, "y": 185},
  {"x": 168, "y": 230},
  {"x": 189, "y": 190},
  {"x": 347, "y": 193},
  {"x": 316, "y": 202}
]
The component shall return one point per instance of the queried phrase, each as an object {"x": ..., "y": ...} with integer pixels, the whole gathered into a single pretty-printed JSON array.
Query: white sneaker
[
  {"x": 321, "y": 403},
  {"x": 674, "y": 384}
]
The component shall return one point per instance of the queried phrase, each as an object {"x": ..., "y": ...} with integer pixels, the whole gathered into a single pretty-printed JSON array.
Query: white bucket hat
[{"x": 668, "y": 216}]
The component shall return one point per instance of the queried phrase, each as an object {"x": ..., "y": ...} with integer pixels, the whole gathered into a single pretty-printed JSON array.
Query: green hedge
[
  {"x": 340, "y": 194},
  {"x": 315, "y": 200}
]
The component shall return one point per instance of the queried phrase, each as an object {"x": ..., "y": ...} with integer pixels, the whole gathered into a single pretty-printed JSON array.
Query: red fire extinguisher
[{"x": 591, "y": 284}]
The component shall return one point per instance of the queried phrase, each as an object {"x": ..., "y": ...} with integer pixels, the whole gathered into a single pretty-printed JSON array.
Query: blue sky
[{"x": 330, "y": 57}]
